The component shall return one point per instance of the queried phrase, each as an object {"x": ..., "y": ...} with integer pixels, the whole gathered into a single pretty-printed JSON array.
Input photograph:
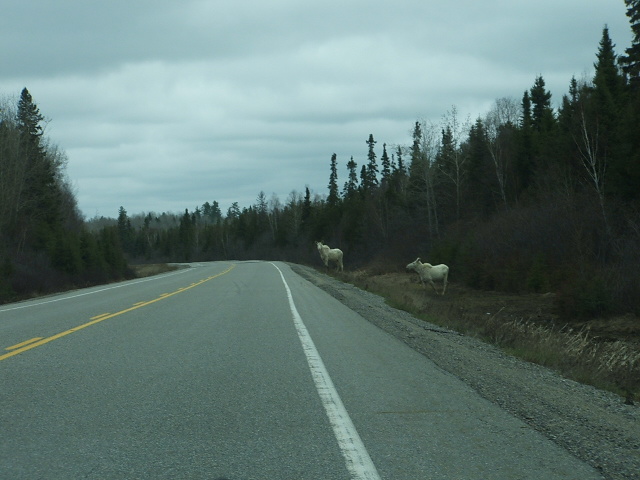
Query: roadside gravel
[{"x": 593, "y": 425}]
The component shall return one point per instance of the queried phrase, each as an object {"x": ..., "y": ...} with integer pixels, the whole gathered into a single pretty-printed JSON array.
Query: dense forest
[
  {"x": 529, "y": 197},
  {"x": 45, "y": 244}
]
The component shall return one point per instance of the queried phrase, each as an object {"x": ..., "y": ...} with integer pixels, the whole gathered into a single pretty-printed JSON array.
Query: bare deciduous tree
[
  {"x": 498, "y": 122},
  {"x": 452, "y": 161},
  {"x": 594, "y": 163}
]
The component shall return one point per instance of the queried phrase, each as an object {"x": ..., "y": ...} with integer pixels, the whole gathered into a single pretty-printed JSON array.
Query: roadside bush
[
  {"x": 586, "y": 296},
  {"x": 538, "y": 278}
]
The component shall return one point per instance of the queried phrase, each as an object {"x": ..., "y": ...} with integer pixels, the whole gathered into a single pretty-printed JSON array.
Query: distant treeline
[{"x": 526, "y": 199}]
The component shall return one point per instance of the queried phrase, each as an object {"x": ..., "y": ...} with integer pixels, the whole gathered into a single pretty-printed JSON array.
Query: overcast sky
[{"x": 164, "y": 105}]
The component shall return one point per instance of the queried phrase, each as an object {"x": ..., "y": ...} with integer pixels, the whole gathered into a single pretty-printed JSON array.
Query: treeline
[
  {"x": 44, "y": 243},
  {"x": 526, "y": 198}
]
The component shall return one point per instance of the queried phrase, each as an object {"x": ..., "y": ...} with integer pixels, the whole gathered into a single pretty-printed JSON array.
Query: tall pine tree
[
  {"x": 631, "y": 61},
  {"x": 351, "y": 185},
  {"x": 333, "y": 197},
  {"x": 627, "y": 174},
  {"x": 601, "y": 122},
  {"x": 370, "y": 175},
  {"x": 40, "y": 198}
]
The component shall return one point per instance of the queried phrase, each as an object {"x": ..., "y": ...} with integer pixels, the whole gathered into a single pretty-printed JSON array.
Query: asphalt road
[{"x": 238, "y": 371}]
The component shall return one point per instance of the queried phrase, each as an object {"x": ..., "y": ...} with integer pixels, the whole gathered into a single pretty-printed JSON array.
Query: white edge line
[
  {"x": 69, "y": 297},
  {"x": 357, "y": 458}
]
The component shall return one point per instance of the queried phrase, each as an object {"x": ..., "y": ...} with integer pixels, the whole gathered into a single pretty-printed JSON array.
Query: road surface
[{"x": 238, "y": 371}]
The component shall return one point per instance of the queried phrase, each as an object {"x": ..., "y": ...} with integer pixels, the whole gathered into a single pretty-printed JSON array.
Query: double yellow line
[{"x": 38, "y": 341}]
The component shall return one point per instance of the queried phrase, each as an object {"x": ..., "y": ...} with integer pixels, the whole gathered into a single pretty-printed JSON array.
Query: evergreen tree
[
  {"x": 187, "y": 235},
  {"x": 542, "y": 116},
  {"x": 481, "y": 184},
  {"x": 306, "y": 208},
  {"x": 333, "y": 197},
  {"x": 370, "y": 174},
  {"x": 601, "y": 123},
  {"x": 351, "y": 185},
  {"x": 386, "y": 165},
  {"x": 449, "y": 190},
  {"x": 607, "y": 81},
  {"x": 28, "y": 120},
  {"x": 398, "y": 179},
  {"x": 416, "y": 167},
  {"x": 626, "y": 172},
  {"x": 526, "y": 121},
  {"x": 261, "y": 203},
  {"x": 631, "y": 61},
  {"x": 125, "y": 230},
  {"x": 569, "y": 126},
  {"x": 111, "y": 252},
  {"x": 524, "y": 163},
  {"x": 233, "y": 212},
  {"x": 216, "y": 213},
  {"x": 211, "y": 211},
  {"x": 261, "y": 214},
  {"x": 401, "y": 168},
  {"x": 40, "y": 196}
]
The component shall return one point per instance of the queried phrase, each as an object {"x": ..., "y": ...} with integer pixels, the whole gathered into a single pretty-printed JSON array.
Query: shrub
[
  {"x": 586, "y": 296},
  {"x": 538, "y": 276}
]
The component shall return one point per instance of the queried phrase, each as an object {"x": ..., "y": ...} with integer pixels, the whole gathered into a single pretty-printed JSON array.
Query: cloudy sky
[{"x": 163, "y": 105}]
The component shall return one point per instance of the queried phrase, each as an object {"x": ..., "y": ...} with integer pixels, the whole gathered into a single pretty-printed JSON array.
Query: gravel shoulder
[{"x": 593, "y": 425}]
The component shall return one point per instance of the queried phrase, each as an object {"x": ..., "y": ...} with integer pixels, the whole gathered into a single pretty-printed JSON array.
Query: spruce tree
[
  {"x": 627, "y": 173},
  {"x": 41, "y": 197},
  {"x": 601, "y": 121},
  {"x": 607, "y": 80},
  {"x": 416, "y": 167},
  {"x": 370, "y": 177},
  {"x": 386, "y": 164},
  {"x": 631, "y": 61},
  {"x": 542, "y": 116},
  {"x": 398, "y": 179},
  {"x": 401, "y": 168},
  {"x": 524, "y": 163},
  {"x": 333, "y": 197},
  {"x": 125, "y": 230},
  {"x": 351, "y": 185},
  {"x": 478, "y": 191},
  {"x": 448, "y": 168}
]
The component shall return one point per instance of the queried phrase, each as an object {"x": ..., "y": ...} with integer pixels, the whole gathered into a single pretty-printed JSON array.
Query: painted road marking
[
  {"x": 357, "y": 458},
  {"x": 37, "y": 342},
  {"x": 60, "y": 299},
  {"x": 26, "y": 342}
]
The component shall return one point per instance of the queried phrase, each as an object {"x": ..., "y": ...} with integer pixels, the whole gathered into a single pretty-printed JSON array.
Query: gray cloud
[{"x": 164, "y": 105}]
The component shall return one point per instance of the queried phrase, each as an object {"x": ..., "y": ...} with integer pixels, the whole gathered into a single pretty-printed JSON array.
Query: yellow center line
[
  {"x": 26, "y": 342},
  {"x": 38, "y": 341}
]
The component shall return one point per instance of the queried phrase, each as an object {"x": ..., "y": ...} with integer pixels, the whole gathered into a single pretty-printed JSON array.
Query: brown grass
[
  {"x": 522, "y": 325},
  {"x": 147, "y": 270}
]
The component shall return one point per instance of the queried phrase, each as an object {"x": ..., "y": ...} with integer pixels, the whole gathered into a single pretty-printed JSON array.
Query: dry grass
[
  {"x": 147, "y": 270},
  {"x": 522, "y": 325}
]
